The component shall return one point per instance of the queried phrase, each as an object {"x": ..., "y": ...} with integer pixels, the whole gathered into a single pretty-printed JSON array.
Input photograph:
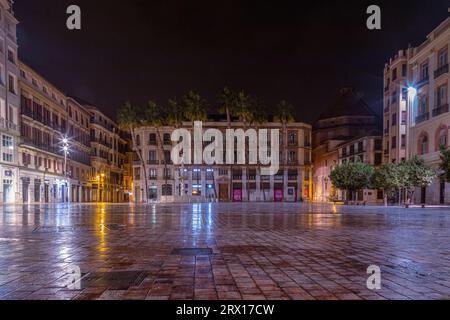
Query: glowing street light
[{"x": 412, "y": 92}]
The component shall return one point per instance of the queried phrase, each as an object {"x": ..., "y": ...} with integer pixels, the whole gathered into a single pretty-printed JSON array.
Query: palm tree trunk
[
  {"x": 161, "y": 151},
  {"x": 141, "y": 158}
]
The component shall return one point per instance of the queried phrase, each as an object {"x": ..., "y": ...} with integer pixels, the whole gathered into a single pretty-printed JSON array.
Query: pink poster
[
  {"x": 237, "y": 195},
  {"x": 278, "y": 195}
]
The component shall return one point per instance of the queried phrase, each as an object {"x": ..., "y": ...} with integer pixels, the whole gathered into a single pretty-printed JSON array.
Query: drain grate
[
  {"x": 114, "y": 227},
  {"x": 192, "y": 251},
  {"x": 114, "y": 280}
]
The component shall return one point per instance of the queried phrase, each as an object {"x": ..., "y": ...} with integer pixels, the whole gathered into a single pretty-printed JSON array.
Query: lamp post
[
  {"x": 412, "y": 93},
  {"x": 65, "y": 142}
]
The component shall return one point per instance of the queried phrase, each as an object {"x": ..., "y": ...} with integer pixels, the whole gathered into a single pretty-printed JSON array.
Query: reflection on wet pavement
[{"x": 222, "y": 251}]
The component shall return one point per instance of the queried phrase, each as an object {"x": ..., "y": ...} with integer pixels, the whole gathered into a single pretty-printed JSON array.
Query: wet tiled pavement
[{"x": 222, "y": 251}]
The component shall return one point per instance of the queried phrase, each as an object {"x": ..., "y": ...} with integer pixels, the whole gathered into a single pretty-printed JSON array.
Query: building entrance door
[
  {"x": 37, "y": 191},
  {"x": 25, "y": 187},
  {"x": 46, "y": 193},
  {"x": 442, "y": 193},
  {"x": 223, "y": 192},
  {"x": 8, "y": 195}
]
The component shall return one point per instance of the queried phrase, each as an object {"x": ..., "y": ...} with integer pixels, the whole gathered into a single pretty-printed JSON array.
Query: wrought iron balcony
[
  {"x": 440, "y": 110},
  {"x": 441, "y": 70},
  {"x": 423, "y": 117}
]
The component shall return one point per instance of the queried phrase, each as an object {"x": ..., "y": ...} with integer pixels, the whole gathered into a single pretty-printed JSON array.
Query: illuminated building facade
[
  {"x": 238, "y": 183},
  {"x": 9, "y": 106}
]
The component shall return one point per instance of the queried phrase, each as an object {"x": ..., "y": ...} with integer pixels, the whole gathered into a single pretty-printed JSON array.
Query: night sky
[{"x": 301, "y": 51}]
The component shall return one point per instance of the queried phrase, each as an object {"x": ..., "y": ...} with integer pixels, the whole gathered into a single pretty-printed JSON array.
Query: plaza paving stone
[{"x": 258, "y": 251}]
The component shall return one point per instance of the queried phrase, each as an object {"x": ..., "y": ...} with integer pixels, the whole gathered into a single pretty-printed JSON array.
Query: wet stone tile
[{"x": 223, "y": 251}]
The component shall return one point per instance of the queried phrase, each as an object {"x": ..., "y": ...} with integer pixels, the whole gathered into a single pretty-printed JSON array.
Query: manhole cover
[
  {"x": 114, "y": 280},
  {"x": 192, "y": 251},
  {"x": 114, "y": 227}
]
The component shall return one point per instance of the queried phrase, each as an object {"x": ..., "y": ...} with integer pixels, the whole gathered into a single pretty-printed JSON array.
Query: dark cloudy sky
[{"x": 302, "y": 51}]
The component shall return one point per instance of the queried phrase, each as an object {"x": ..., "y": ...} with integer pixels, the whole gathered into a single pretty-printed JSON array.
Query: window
[
  {"x": 167, "y": 190},
  {"x": 7, "y": 157},
  {"x": 292, "y": 138},
  {"x": 153, "y": 174},
  {"x": 138, "y": 140},
  {"x": 292, "y": 157},
  {"x": 152, "y": 156},
  {"x": 137, "y": 173},
  {"x": 403, "y": 141},
  {"x": 423, "y": 105},
  {"x": 167, "y": 140},
  {"x": 441, "y": 137},
  {"x": 378, "y": 159},
  {"x": 11, "y": 56},
  {"x": 394, "y": 74},
  {"x": 403, "y": 117},
  {"x": 404, "y": 70},
  {"x": 423, "y": 144},
  {"x": 441, "y": 95},
  {"x": 394, "y": 119},
  {"x": 7, "y": 141},
  {"x": 394, "y": 142},
  {"x": 152, "y": 139},
  {"x": 442, "y": 58},
  {"x": 12, "y": 83},
  {"x": 424, "y": 75}
]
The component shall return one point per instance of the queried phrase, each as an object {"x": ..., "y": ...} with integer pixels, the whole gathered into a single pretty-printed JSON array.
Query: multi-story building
[
  {"x": 107, "y": 158},
  {"x": 9, "y": 105},
  {"x": 430, "y": 116},
  {"x": 79, "y": 156},
  {"x": 366, "y": 149},
  {"x": 395, "y": 107},
  {"x": 199, "y": 183},
  {"x": 347, "y": 119},
  {"x": 43, "y": 177}
]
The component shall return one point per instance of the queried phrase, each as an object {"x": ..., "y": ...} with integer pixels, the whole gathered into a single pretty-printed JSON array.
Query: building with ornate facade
[
  {"x": 9, "y": 106},
  {"x": 108, "y": 156},
  {"x": 343, "y": 125},
  {"x": 429, "y": 109},
  {"x": 199, "y": 183}
]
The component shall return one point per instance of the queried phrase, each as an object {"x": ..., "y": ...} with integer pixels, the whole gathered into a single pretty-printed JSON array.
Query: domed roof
[{"x": 348, "y": 103}]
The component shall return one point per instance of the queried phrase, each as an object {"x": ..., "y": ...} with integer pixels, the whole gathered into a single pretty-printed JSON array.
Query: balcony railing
[
  {"x": 152, "y": 162},
  {"x": 423, "y": 82},
  {"x": 386, "y": 131},
  {"x": 440, "y": 110},
  {"x": 441, "y": 70},
  {"x": 423, "y": 117}
]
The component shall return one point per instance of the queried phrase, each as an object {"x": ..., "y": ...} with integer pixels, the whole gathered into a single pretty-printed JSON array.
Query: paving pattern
[{"x": 222, "y": 251}]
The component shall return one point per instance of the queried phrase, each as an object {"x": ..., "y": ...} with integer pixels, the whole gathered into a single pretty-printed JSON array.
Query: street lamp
[
  {"x": 412, "y": 94},
  {"x": 65, "y": 142}
]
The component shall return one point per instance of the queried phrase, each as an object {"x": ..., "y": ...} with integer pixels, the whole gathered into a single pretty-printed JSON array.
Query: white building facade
[
  {"x": 235, "y": 183},
  {"x": 9, "y": 106}
]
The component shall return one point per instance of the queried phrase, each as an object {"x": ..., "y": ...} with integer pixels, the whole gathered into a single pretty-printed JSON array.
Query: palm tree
[
  {"x": 194, "y": 107},
  {"x": 154, "y": 116},
  {"x": 284, "y": 115},
  {"x": 245, "y": 111},
  {"x": 261, "y": 118},
  {"x": 128, "y": 120},
  {"x": 227, "y": 106},
  {"x": 175, "y": 119}
]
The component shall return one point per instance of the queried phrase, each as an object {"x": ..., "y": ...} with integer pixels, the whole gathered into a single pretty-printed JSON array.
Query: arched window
[
  {"x": 422, "y": 147},
  {"x": 441, "y": 137}
]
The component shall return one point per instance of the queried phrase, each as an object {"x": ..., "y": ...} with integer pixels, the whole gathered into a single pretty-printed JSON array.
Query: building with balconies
[
  {"x": 395, "y": 111},
  {"x": 43, "y": 177},
  {"x": 108, "y": 157},
  {"x": 167, "y": 182},
  {"x": 79, "y": 157},
  {"x": 430, "y": 116},
  {"x": 345, "y": 120},
  {"x": 9, "y": 106}
]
